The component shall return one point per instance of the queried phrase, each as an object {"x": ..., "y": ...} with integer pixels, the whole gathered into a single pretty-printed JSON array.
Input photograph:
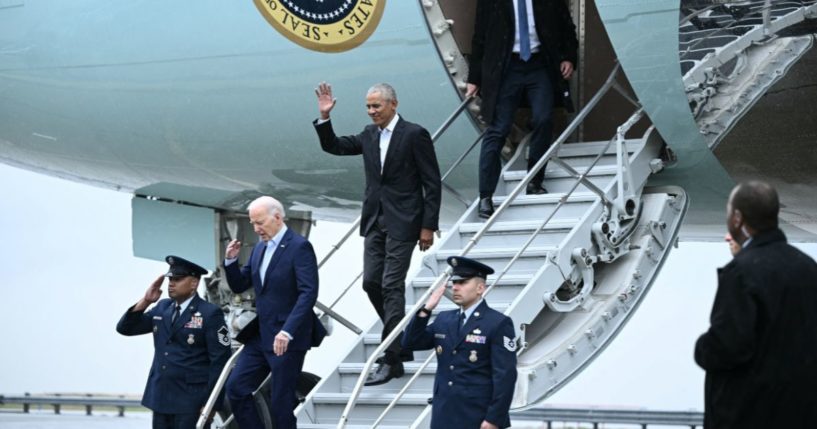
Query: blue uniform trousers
[
  {"x": 176, "y": 421},
  {"x": 252, "y": 367},
  {"x": 522, "y": 79}
]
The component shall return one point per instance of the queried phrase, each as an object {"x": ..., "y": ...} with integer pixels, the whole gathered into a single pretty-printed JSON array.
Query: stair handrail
[
  {"x": 222, "y": 378},
  {"x": 755, "y": 8},
  {"x": 610, "y": 83},
  {"x": 329, "y": 310}
]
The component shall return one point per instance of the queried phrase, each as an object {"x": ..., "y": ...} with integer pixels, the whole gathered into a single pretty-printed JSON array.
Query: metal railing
[
  {"x": 610, "y": 83},
  {"x": 329, "y": 310},
  {"x": 57, "y": 401},
  {"x": 597, "y": 416},
  {"x": 763, "y": 8},
  {"x": 594, "y": 416}
]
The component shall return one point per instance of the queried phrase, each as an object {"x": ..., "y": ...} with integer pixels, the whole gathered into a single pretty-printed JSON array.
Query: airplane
[{"x": 195, "y": 111}]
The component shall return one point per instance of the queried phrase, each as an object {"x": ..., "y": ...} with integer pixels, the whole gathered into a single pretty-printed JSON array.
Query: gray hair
[
  {"x": 385, "y": 90},
  {"x": 272, "y": 205}
]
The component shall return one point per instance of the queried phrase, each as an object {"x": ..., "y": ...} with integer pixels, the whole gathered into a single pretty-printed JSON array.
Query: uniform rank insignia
[
  {"x": 509, "y": 343},
  {"x": 477, "y": 339},
  {"x": 440, "y": 336},
  {"x": 223, "y": 336},
  {"x": 196, "y": 322},
  {"x": 190, "y": 339}
]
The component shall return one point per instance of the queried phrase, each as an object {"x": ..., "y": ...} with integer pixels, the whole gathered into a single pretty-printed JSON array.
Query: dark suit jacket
[
  {"x": 289, "y": 292},
  {"x": 760, "y": 352},
  {"x": 409, "y": 190},
  {"x": 492, "y": 45},
  {"x": 476, "y": 369},
  {"x": 188, "y": 356}
]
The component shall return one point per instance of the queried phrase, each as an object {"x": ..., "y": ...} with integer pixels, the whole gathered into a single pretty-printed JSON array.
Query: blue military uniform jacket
[
  {"x": 188, "y": 354},
  {"x": 476, "y": 369}
]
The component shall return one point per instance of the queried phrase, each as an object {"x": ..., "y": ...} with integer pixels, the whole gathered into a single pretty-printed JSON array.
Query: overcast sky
[{"x": 69, "y": 275}]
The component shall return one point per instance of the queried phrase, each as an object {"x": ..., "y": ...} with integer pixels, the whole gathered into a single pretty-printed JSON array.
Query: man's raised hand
[{"x": 325, "y": 99}]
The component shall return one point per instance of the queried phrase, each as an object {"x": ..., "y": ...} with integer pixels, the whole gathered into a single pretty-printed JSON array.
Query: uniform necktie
[
  {"x": 461, "y": 322},
  {"x": 176, "y": 313},
  {"x": 524, "y": 31}
]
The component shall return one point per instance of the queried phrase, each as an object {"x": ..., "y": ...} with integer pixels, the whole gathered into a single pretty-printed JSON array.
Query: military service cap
[
  {"x": 183, "y": 267},
  {"x": 465, "y": 268}
]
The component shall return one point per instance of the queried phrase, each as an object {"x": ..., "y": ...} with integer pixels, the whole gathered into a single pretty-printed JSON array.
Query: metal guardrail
[
  {"x": 597, "y": 416},
  {"x": 56, "y": 401}
]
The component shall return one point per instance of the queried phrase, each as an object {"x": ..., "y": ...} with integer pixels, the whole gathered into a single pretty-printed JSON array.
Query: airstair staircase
[{"x": 570, "y": 266}]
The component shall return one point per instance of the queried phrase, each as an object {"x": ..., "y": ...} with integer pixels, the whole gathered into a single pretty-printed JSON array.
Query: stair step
[
  {"x": 410, "y": 367},
  {"x": 550, "y": 198},
  {"x": 506, "y": 291},
  {"x": 334, "y": 425},
  {"x": 372, "y": 398},
  {"x": 569, "y": 150},
  {"x": 559, "y": 173},
  {"x": 498, "y": 253},
  {"x": 508, "y": 280},
  {"x": 520, "y": 226}
]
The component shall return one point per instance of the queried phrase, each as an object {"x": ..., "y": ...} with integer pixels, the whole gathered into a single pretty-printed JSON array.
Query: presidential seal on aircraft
[{"x": 326, "y": 25}]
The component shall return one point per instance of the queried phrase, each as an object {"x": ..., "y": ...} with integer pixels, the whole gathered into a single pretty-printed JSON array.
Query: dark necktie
[
  {"x": 524, "y": 31},
  {"x": 461, "y": 322},
  {"x": 176, "y": 314}
]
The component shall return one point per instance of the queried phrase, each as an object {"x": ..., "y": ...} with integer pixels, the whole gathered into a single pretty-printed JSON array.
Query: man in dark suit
[
  {"x": 283, "y": 272},
  {"x": 760, "y": 352},
  {"x": 476, "y": 353},
  {"x": 401, "y": 206},
  {"x": 191, "y": 345},
  {"x": 521, "y": 49}
]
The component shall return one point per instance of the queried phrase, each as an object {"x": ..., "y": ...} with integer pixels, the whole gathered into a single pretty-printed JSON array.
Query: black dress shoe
[
  {"x": 486, "y": 207},
  {"x": 535, "y": 189},
  {"x": 383, "y": 373}
]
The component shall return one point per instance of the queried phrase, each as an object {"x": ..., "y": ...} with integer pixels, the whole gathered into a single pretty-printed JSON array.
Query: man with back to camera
[
  {"x": 520, "y": 48},
  {"x": 283, "y": 272},
  {"x": 476, "y": 352},
  {"x": 401, "y": 206},
  {"x": 760, "y": 352},
  {"x": 191, "y": 345}
]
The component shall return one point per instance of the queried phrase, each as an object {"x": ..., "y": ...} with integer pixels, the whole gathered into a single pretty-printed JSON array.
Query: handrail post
[
  {"x": 767, "y": 17},
  {"x": 222, "y": 378}
]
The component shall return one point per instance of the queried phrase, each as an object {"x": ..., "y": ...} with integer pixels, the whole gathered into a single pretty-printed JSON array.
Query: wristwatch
[{"x": 423, "y": 309}]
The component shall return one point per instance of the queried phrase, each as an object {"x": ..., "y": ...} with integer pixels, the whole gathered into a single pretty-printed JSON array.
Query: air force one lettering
[{"x": 324, "y": 25}]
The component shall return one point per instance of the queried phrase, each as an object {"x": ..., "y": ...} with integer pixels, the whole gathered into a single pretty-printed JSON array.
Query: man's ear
[{"x": 737, "y": 218}]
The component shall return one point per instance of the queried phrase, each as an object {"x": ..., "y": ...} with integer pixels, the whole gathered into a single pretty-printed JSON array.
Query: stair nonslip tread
[
  {"x": 520, "y": 225},
  {"x": 506, "y": 280},
  {"x": 599, "y": 170},
  {"x": 372, "y": 398},
  {"x": 549, "y": 198},
  {"x": 506, "y": 252},
  {"x": 410, "y": 367}
]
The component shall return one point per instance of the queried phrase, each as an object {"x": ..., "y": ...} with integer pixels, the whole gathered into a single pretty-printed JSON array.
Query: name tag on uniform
[
  {"x": 195, "y": 322},
  {"x": 157, "y": 317},
  {"x": 477, "y": 339},
  {"x": 440, "y": 336}
]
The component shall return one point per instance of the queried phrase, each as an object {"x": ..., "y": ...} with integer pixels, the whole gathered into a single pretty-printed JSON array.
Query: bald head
[{"x": 753, "y": 204}]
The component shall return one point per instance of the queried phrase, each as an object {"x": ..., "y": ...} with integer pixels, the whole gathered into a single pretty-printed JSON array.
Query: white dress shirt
[{"x": 385, "y": 139}]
